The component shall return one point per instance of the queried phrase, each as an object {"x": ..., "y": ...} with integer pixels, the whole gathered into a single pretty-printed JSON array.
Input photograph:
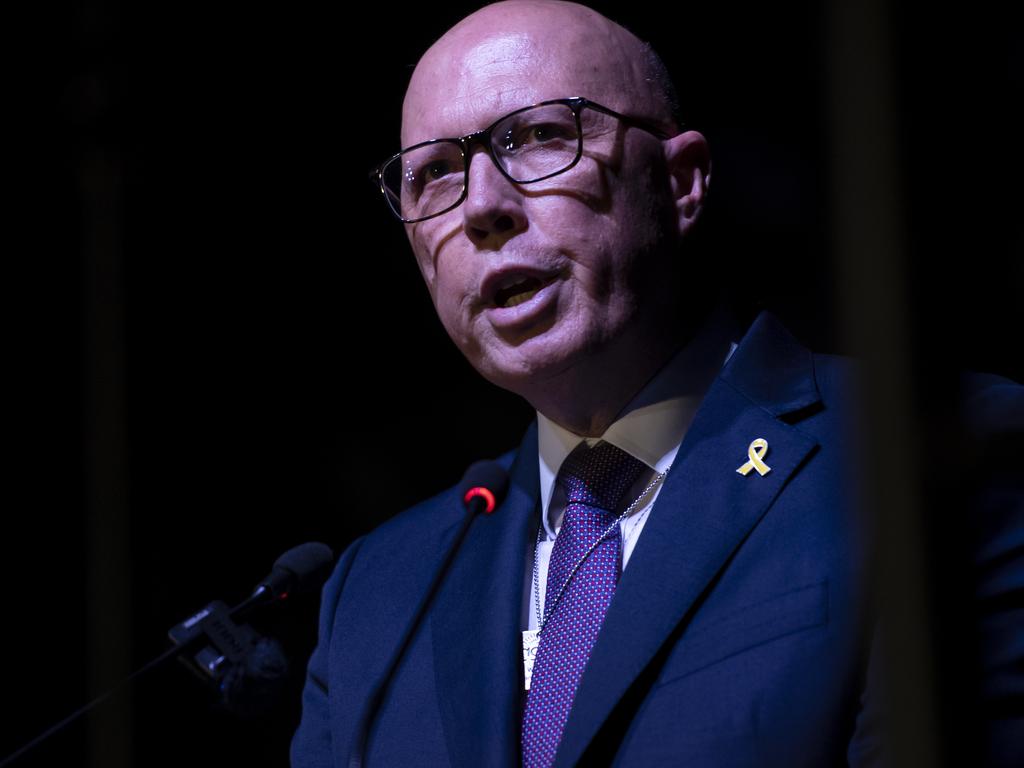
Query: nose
[{"x": 493, "y": 209}]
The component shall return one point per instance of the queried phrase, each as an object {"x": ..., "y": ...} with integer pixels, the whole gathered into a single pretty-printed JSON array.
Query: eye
[
  {"x": 434, "y": 170},
  {"x": 437, "y": 170},
  {"x": 423, "y": 173},
  {"x": 534, "y": 135},
  {"x": 546, "y": 132}
]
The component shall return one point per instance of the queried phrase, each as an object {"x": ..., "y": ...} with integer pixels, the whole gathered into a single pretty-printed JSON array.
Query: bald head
[{"x": 555, "y": 49}]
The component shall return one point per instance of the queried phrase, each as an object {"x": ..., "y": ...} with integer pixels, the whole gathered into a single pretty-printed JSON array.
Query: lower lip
[{"x": 510, "y": 318}]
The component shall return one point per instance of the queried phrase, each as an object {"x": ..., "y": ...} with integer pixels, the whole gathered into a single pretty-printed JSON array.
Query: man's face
[{"x": 531, "y": 279}]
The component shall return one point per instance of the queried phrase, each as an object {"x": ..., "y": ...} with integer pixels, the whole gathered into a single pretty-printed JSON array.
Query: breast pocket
[{"x": 794, "y": 611}]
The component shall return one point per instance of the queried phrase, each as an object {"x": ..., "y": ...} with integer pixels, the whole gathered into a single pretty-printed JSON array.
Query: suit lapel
[
  {"x": 476, "y": 626},
  {"x": 704, "y": 512}
]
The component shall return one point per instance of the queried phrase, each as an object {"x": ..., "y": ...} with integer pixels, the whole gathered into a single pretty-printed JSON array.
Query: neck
[{"x": 590, "y": 395}]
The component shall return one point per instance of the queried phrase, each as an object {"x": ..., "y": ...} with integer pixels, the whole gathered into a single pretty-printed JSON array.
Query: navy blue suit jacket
[{"x": 739, "y": 634}]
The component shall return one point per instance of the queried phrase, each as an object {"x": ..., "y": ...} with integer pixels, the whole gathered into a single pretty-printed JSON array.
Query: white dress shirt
[{"x": 651, "y": 428}]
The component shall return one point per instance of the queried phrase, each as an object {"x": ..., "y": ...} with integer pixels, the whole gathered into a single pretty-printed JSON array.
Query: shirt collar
[{"x": 651, "y": 428}]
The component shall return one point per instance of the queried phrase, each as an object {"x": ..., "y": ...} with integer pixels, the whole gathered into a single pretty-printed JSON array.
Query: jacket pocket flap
[{"x": 776, "y": 617}]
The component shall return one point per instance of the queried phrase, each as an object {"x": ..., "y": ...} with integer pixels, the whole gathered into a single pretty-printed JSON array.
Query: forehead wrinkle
[
  {"x": 484, "y": 105},
  {"x": 468, "y": 88},
  {"x": 490, "y": 79}
]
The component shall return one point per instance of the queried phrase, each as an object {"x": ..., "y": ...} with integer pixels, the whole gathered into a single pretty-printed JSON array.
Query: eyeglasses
[{"x": 531, "y": 144}]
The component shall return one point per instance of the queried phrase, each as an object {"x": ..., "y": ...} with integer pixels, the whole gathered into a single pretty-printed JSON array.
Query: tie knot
[{"x": 599, "y": 476}]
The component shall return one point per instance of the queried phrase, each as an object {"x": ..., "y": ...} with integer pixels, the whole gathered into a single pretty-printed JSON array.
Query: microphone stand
[
  {"x": 213, "y": 623},
  {"x": 376, "y": 696}
]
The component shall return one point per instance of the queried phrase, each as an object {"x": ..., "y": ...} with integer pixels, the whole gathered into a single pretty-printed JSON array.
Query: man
[{"x": 714, "y": 612}]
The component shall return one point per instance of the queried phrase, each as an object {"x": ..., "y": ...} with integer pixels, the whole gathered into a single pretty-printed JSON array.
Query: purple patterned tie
[{"x": 595, "y": 481}]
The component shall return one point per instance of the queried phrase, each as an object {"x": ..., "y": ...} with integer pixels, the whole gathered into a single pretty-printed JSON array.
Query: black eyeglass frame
[{"x": 483, "y": 137}]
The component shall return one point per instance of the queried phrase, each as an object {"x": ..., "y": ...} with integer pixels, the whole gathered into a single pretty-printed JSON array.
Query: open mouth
[{"x": 519, "y": 292}]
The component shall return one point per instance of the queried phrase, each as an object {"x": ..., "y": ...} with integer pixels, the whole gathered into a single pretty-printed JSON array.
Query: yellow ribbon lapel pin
[{"x": 756, "y": 451}]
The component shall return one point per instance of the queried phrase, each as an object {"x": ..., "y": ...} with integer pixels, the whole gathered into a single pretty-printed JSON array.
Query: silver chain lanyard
[{"x": 550, "y": 608}]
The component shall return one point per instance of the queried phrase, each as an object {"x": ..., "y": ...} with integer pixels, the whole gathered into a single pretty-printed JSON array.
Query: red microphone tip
[{"x": 485, "y": 494}]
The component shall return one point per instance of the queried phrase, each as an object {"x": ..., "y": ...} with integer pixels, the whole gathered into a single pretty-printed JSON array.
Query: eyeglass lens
[{"x": 528, "y": 145}]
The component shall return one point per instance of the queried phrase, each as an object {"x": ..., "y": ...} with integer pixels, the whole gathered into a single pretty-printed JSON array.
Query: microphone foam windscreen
[
  {"x": 486, "y": 474},
  {"x": 305, "y": 566}
]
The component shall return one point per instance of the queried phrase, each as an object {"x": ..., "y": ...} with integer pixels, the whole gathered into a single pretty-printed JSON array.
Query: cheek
[
  {"x": 445, "y": 301},
  {"x": 432, "y": 242},
  {"x": 643, "y": 229},
  {"x": 421, "y": 251},
  {"x": 452, "y": 298}
]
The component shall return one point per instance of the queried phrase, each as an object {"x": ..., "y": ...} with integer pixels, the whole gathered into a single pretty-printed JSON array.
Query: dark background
[{"x": 220, "y": 345}]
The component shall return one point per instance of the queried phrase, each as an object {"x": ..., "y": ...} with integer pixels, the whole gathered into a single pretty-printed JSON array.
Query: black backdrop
[{"x": 220, "y": 345}]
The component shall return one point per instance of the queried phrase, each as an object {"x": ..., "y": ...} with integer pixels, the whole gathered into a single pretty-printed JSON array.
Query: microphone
[
  {"x": 251, "y": 670},
  {"x": 299, "y": 569},
  {"x": 296, "y": 571},
  {"x": 483, "y": 487},
  {"x": 482, "y": 490}
]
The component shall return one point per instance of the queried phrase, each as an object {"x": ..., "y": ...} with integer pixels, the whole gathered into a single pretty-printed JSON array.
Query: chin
[{"x": 523, "y": 371}]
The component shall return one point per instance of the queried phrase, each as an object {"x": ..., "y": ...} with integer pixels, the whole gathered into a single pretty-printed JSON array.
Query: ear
[{"x": 689, "y": 166}]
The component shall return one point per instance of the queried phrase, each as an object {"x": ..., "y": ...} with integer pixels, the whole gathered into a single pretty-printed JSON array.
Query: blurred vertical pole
[
  {"x": 870, "y": 241},
  {"x": 109, "y": 578}
]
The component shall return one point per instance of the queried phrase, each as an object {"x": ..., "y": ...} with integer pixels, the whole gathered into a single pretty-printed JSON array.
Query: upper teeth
[
  {"x": 519, "y": 298},
  {"x": 516, "y": 288}
]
